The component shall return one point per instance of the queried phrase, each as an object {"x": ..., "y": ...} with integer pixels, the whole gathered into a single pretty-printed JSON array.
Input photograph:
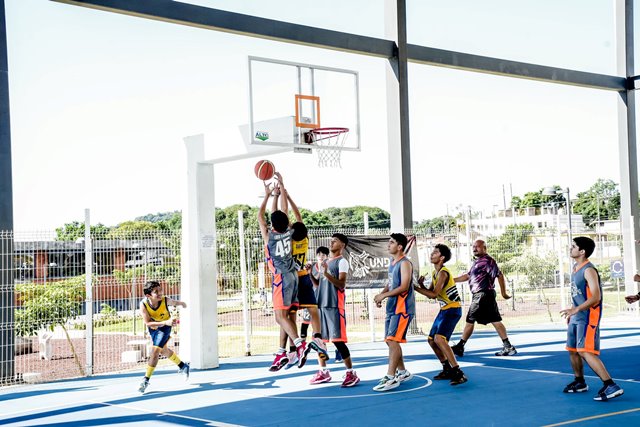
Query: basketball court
[{"x": 522, "y": 390}]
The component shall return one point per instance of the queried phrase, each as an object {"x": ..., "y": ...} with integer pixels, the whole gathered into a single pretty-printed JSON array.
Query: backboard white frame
[{"x": 298, "y": 140}]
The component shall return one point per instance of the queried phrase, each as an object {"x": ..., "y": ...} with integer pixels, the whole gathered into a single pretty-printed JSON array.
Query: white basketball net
[{"x": 333, "y": 140}]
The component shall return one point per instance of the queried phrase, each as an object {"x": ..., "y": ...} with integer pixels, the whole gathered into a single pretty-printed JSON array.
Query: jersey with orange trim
[
  {"x": 299, "y": 251},
  {"x": 328, "y": 295},
  {"x": 404, "y": 303},
  {"x": 448, "y": 296},
  {"x": 580, "y": 292},
  {"x": 159, "y": 314}
]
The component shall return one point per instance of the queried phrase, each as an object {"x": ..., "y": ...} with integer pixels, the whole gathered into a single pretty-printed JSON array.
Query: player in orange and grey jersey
[
  {"x": 331, "y": 304},
  {"x": 583, "y": 318},
  {"x": 400, "y": 311},
  {"x": 277, "y": 242}
]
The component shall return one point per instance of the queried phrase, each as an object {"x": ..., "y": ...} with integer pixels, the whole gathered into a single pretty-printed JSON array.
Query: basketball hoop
[{"x": 332, "y": 140}]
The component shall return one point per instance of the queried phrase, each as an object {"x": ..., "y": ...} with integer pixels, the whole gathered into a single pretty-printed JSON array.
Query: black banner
[{"x": 369, "y": 260}]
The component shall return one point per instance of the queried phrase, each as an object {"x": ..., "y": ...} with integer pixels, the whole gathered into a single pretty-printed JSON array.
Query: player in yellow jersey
[
  {"x": 444, "y": 290},
  {"x": 155, "y": 313}
]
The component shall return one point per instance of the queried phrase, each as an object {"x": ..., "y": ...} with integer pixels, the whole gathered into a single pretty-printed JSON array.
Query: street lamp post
[{"x": 552, "y": 191}]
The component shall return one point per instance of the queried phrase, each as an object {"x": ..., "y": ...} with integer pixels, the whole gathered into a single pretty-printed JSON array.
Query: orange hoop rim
[{"x": 328, "y": 131}]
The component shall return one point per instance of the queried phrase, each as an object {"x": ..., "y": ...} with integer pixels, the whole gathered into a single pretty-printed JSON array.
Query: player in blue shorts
[
  {"x": 583, "y": 319},
  {"x": 155, "y": 314},
  {"x": 443, "y": 289},
  {"x": 400, "y": 310}
]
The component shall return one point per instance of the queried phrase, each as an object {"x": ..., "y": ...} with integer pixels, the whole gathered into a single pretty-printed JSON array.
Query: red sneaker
[
  {"x": 320, "y": 377},
  {"x": 350, "y": 379},
  {"x": 279, "y": 362}
]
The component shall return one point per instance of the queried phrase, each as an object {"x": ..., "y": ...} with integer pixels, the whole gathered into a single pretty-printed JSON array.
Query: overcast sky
[{"x": 100, "y": 103}]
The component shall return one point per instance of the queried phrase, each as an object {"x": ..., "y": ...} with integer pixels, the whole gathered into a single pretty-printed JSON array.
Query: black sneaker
[
  {"x": 507, "y": 351},
  {"x": 609, "y": 392},
  {"x": 458, "y": 377},
  {"x": 576, "y": 387},
  {"x": 445, "y": 374},
  {"x": 458, "y": 350}
]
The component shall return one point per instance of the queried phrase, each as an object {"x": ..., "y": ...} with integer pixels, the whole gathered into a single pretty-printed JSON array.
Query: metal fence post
[
  {"x": 243, "y": 272},
  {"x": 88, "y": 283},
  {"x": 370, "y": 304}
]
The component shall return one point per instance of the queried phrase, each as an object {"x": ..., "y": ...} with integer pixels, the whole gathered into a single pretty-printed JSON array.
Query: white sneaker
[
  {"x": 405, "y": 376},
  {"x": 143, "y": 386},
  {"x": 387, "y": 383},
  {"x": 293, "y": 359}
]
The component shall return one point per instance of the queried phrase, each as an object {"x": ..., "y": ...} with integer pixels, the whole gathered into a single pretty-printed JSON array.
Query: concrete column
[
  {"x": 199, "y": 321},
  {"x": 627, "y": 143},
  {"x": 398, "y": 119}
]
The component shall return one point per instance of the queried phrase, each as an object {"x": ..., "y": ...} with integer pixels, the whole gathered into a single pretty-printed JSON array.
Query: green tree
[
  {"x": 440, "y": 224},
  {"x": 46, "y": 306},
  {"x": 132, "y": 230},
  {"x": 600, "y": 201},
  {"x": 73, "y": 231}
]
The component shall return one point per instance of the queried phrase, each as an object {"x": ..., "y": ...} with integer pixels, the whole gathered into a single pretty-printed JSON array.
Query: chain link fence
[{"x": 53, "y": 339}]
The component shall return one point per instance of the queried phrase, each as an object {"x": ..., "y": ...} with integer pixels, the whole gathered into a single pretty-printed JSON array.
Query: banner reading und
[{"x": 369, "y": 259}]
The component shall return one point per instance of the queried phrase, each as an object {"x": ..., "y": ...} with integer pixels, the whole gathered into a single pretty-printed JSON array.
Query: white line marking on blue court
[
  {"x": 373, "y": 393},
  {"x": 553, "y": 372},
  {"x": 166, "y": 414}
]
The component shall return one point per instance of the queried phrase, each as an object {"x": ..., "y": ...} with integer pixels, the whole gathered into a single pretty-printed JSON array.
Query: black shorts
[
  {"x": 484, "y": 308},
  {"x": 306, "y": 296}
]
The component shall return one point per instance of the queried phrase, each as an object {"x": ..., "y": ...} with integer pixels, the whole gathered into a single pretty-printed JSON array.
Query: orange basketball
[{"x": 264, "y": 170}]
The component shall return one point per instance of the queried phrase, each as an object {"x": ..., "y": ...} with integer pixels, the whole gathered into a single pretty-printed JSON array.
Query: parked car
[{"x": 144, "y": 258}]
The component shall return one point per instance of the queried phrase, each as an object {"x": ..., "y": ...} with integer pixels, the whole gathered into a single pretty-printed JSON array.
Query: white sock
[
  {"x": 282, "y": 350},
  {"x": 297, "y": 342}
]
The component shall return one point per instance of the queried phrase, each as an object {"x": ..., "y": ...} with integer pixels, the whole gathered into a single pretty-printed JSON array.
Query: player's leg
[
  {"x": 491, "y": 314},
  {"x": 578, "y": 385},
  {"x": 589, "y": 349},
  {"x": 322, "y": 375},
  {"x": 183, "y": 368},
  {"x": 307, "y": 299},
  {"x": 442, "y": 334},
  {"x": 458, "y": 349},
  {"x": 159, "y": 338}
]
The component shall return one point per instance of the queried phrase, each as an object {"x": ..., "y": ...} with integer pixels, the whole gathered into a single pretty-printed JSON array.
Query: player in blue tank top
[
  {"x": 400, "y": 311},
  {"x": 583, "y": 319}
]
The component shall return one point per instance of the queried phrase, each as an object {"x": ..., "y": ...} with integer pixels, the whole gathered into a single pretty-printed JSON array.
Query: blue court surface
[{"x": 522, "y": 390}]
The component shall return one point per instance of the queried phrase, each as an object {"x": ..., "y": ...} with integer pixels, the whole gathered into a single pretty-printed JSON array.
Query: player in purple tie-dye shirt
[{"x": 484, "y": 308}]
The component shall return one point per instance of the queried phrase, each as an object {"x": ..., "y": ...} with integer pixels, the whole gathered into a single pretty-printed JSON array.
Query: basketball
[{"x": 264, "y": 170}]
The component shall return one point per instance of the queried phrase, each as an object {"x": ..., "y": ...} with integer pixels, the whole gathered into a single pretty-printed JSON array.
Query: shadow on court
[{"x": 521, "y": 390}]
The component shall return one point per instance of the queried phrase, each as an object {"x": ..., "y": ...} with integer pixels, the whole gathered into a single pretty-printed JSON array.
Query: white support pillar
[
  {"x": 627, "y": 143},
  {"x": 199, "y": 321},
  {"x": 397, "y": 116}
]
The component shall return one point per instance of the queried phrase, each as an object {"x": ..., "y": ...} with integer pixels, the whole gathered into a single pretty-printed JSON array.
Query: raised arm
[
  {"x": 261, "y": 212},
  {"x": 294, "y": 207},
  {"x": 284, "y": 202}
]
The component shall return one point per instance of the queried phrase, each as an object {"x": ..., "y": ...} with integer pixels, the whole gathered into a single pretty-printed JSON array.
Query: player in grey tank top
[{"x": 583, "y": 326}]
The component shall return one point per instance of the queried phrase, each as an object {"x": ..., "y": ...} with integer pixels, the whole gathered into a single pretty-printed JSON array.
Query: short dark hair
[
  {"x": 150, "y": 286},
  {"x": 300, "y": 231},
  {"x": 586, "y": 244},
  {"x": 279, "y": 221},
  {"x": 341, "y": 237},
  {"x": 322, "y": 250},
  {"x": 444, "y": 251},
  {"x": 401, "y": 239}
]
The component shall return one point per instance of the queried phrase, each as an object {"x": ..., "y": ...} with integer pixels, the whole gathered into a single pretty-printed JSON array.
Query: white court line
[
  {"x": 35, "y": 410},
  {"x": 554, "y": 372},
  {"x": 429, "y": 382},
  {"x": 167, "y": 414}
]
